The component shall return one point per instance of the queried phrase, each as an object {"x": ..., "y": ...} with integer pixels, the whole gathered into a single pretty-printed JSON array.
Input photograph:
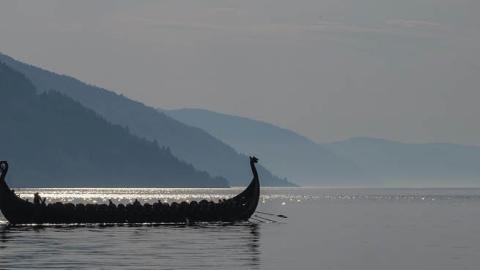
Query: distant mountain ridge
[
  {"x": 190, "y": 144},
  {"x": 354, "y": 162},
  {"x": 283, "y": 151},
  {"x": 52, "y": 141}
]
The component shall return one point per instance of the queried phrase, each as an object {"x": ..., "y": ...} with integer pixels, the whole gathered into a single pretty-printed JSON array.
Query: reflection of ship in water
[
  {"x": 200, "y": 246},
  {"x": 3, "y": 235},
  {"x": 254, "y": 245}
]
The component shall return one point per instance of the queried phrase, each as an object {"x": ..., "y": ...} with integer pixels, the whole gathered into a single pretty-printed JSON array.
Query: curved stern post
[{"x": 15, "y": 210}]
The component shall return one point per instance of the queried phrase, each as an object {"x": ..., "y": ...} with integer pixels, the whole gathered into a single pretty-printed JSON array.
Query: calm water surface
[{"x": 325, "y": 229}]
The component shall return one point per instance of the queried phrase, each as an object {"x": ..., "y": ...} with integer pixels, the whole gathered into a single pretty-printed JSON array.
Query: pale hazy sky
[{"x": 407, "y": 70}]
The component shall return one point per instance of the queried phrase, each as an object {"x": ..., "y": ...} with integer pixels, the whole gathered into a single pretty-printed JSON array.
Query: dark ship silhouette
[{"x": 18, "y": 211}]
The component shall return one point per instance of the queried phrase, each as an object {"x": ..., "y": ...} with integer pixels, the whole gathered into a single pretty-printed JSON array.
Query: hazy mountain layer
[
  {"x": 390, "y": 163},
  {"x": 191, "y": 144},
  {"x": 282, "y": 151},
  {"x": 52, "y": 141}
]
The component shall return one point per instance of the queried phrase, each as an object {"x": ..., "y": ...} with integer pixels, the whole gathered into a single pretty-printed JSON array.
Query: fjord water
[{"x": 326, "y": 229}]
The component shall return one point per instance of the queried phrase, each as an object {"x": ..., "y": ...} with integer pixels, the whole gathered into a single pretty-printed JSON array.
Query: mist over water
[{"x": 325, "y": 229}]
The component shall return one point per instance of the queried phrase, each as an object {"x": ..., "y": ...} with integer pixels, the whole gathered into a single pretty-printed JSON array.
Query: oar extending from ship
[{"x": 270, "y": 214}]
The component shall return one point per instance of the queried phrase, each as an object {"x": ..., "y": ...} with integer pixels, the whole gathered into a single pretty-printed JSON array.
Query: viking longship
[{"x": 19, "y": 211}]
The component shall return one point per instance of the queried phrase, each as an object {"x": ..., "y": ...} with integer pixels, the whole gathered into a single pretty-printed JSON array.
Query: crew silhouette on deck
[{"x": 36, "y": 198}]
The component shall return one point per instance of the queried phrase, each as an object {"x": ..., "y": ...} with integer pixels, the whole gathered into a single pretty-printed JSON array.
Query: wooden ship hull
[{"x": 18, "y": 211}]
